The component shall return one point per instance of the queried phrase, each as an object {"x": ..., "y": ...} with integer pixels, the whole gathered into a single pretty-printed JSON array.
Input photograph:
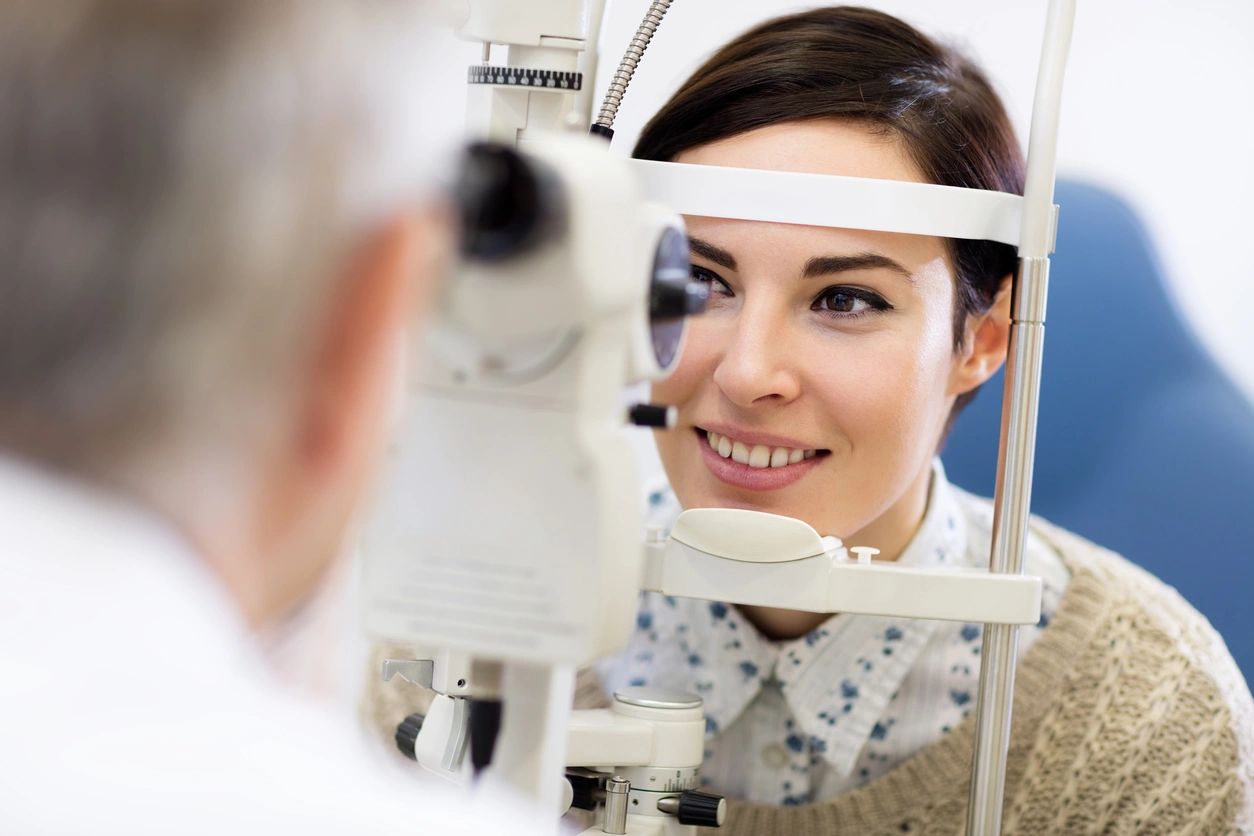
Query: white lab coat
[{"x": 133, "y": 699}]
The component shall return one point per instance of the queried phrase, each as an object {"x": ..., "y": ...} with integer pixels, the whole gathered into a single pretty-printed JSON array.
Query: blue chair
[{"x": 1144, "y": 446}]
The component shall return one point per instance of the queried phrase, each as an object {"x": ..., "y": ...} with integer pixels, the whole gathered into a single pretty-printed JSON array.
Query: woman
[{"x": 820, "y": 384}]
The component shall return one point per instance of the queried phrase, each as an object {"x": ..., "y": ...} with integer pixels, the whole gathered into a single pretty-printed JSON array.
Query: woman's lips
[
  {"x": 753, "y": 478},
  {"x": 751, "y": 437}
]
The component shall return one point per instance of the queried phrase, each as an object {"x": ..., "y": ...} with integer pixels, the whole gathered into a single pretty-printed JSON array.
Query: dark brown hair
[{"x": 858, "y": 64}]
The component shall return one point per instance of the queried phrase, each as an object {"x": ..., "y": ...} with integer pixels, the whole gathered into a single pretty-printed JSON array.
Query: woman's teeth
[{"x": 759, "y": 455}]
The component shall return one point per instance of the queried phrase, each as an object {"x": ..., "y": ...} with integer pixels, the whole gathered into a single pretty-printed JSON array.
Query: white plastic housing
[
  {"x": 442, "y": 740},
  {"x": 508, "y": 522},
  {"x": 515, "y": 22},
  {"x": 551, "y": 35},
  {"x": 627, "y": 735},
  {"x": 726, "y": 554},
  {"x": 844, "y": 202}
]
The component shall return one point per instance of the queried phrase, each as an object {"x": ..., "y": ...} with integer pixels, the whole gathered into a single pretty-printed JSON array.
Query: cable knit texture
[{"x": 1129, "y": 717}]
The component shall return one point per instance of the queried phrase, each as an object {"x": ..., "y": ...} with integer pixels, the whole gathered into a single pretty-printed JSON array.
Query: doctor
[{"x": 212, "y": 240}]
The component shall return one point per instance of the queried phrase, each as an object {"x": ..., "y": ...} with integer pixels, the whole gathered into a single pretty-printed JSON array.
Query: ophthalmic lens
[{"x": 670, "y": 296}]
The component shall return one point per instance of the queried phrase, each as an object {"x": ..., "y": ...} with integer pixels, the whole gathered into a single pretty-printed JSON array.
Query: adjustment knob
[
  {"x": 407, "y": 735},
  {"x": 586, "y": 791},
  {"x": 556, "y": 80},
  {"x": 696, "y": 808}
]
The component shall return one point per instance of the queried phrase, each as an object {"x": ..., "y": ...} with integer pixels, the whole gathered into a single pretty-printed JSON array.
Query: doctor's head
[
  {"x": 215, "y": 227},
  {"x": 822, "y": 379}
]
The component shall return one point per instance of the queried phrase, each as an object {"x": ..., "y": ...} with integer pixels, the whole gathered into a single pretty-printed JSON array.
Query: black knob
[
  {"x": 485, "y": 726},
  {"x": 586, "y": 791},
  {"x": 675, "y": 299},
  {"x": 407, "y": 735},
  {"x": 652, "y": 415},
  {"x": 508, "y": 203},
  {"x": 701, "y": 809}
]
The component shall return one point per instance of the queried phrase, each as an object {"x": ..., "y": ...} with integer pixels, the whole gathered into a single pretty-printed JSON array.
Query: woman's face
[{"x": 818, "y": 383}]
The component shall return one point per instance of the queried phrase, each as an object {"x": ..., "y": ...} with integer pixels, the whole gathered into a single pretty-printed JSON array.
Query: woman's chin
[
  {"x": 700, "y": 488},
  {"x": 785, "y": 504},
  {"x": 718, "y": 496}
]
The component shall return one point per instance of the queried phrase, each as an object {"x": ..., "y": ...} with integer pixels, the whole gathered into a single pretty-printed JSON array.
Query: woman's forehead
[{"x": 817, "y": 146}]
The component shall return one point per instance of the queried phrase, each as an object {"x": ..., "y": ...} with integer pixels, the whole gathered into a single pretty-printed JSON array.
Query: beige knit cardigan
[{"x": 1129, "y": 717}]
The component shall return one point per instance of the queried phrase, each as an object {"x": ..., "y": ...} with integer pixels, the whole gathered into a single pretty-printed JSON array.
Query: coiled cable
[{"x": 604, "y": 125}]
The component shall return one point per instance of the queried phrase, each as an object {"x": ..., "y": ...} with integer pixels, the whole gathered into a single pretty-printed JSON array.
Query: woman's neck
[{"x": 891, "y": 533}]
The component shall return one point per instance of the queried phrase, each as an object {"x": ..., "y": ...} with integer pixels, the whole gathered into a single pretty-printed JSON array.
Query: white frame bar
[
  {"x": 828, "y": 585},
  {"x": 842, "y": 202}
]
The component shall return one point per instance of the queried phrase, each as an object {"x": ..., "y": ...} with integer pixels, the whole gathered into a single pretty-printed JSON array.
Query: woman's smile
[{"x": 755, "y": 461}]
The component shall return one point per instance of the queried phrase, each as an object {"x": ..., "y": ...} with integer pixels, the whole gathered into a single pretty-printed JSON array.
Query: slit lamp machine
[{"x": 524, "y": 560}]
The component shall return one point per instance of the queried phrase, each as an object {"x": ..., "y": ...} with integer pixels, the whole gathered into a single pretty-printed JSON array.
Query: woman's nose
[{"x": 756, "y": 368}]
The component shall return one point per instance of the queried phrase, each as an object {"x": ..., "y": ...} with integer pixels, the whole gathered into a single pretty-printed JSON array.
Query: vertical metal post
[
  {"x": 616, "y": 790},
  {"x": 1010, "y": 530},
  {"x": 1012, "y": 502}
]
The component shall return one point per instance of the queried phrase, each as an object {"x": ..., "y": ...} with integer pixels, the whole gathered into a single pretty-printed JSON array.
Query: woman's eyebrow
[
  {"x": 825, "y": 265},
  {"x": 718, "y": 255}
]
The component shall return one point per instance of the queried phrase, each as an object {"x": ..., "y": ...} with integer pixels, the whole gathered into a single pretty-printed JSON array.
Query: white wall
[{"x": 1159, "y": 106}]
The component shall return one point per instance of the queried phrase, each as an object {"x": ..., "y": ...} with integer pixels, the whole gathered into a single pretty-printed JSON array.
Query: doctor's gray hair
[{"x": 181, "y": 181}]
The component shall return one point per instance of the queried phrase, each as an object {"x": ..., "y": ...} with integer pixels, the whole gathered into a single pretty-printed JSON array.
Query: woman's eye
[
  {"x": 849, "y": 301},
  {"x": 717, "y": 285}
]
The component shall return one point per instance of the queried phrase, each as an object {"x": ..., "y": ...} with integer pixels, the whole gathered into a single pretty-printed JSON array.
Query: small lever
[{"x": 653, "y": 415}]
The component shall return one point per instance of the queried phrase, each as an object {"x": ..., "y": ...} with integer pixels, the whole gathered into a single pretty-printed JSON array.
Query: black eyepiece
[{"x": 508, "y": 204}]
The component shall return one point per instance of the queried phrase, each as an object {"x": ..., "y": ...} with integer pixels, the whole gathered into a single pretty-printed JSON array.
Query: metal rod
[
  {"x": 616, "y": 790},
  {"x": 1010, "y": 530}
]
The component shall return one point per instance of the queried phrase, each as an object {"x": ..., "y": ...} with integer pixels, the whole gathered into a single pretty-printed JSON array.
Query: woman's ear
[{"x": 984, "y": 343}]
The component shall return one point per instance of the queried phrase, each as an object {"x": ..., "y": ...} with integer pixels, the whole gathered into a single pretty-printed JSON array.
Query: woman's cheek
[{"x": 866, "y": 384}]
